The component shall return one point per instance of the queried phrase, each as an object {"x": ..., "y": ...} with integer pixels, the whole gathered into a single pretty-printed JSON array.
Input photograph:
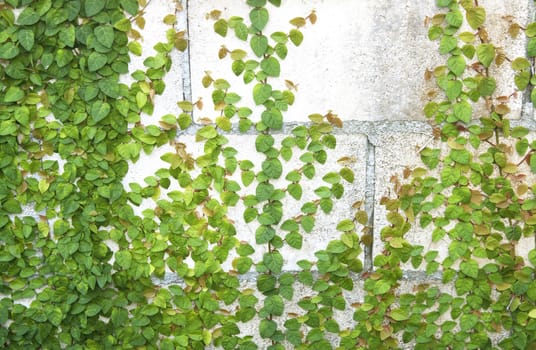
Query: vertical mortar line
[
  {"x": 370, "y": 201},
  {"x": 185, "y": 59}
]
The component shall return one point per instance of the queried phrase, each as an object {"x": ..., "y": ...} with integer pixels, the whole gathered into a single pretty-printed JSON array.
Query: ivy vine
[{"x": 80, "y": 265}]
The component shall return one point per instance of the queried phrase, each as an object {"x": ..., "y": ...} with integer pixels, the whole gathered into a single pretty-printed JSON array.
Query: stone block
[
  {"x": 371, "y": 53},
  {"x": 352, "y": 146},
  {"x": 394, "y": 153}
]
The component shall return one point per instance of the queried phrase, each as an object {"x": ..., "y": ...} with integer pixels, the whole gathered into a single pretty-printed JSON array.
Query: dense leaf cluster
[{"x": 80, "y": 264}]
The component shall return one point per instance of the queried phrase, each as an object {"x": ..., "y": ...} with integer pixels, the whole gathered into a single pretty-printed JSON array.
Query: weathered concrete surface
[{"x": 371, "y": 53}]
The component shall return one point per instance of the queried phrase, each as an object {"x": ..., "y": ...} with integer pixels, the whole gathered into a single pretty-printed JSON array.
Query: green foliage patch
[{"x": 82, "y": 272}]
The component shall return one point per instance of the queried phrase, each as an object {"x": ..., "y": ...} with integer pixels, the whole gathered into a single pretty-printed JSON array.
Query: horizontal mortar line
[
  {"x": 373, "y": 129},
  {"x": 407, "y": 275},
  {"x": 350, "y": 127}
]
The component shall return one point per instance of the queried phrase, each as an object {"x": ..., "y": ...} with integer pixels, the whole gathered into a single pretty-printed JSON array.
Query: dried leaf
[
  {"x": 312, "y": 17},
  {"x": 214, "y": 15}
]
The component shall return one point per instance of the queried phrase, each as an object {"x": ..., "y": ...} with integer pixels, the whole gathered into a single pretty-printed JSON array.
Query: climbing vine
[
  {"x": 474, "y": 196},
  {"x": 82, "y": 264}
]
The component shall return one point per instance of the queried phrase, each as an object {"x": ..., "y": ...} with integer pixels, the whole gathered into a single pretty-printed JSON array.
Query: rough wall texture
[{"x": 365, "y": 60}]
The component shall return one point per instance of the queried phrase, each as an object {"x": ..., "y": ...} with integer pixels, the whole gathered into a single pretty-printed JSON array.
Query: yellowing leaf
[
  {"x": 476, "y": 16},
  {"x": 298, "y": 22}
]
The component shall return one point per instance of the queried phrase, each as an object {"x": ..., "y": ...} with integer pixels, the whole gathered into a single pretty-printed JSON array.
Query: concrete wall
[{"x": 365, "y": 60}]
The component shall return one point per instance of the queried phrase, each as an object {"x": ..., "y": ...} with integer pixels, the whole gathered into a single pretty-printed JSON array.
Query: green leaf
[
  {"x": 28, "y": 16},
  {"x": 461, "y": 156},
  {"x": 470, "y": 268},
  {"x": 247, "y": 177},
  {"x": 295, "y": 190},
  {"x": 532, "y": 163},
  {"x": 259, "y": 45},
  {"x": 241, "y": 31},
  {"x": 13, "y": 94},
  {"x": 119, "y": 317},
  {"x": 449, "y": 176},
  {"x": 522, "y": 80},
  {"x": 281, "y": 50},
  {"x": 261, "y": 93},
  {"x": 485, "y": 54},
  {"x": 347, "y": 174},
  {"x": 131, "y": 6},
  {"x": 67, "y": 36},
  {"x": 135, "y": 47},
  {"x": 308, "y": 223},
  {"x": 105, "y": 35},
  {"x": 294, "y": 239},
  {"x": 346, "y": 225},
  {"x": 124, "y": 259},
  {"x": 264, "y": 191},
  {"x": 381, "y": 287},
  {"x": 531, "y": 47},
  {"x": 123, "y": 25},
  {"x": 109, "y": 87},
  {"x": 55, "y": 316},
  {"x": 99, "y": 110},
  {"x": 8, "y": 51},
  {"x": 454, "y": 18},
  {"x": 242, "y": 264},
  {"x": 26, "y": 38},
  {"x": 456, "y": 64},
  {"x": 92, "y": 7},
  {"x": 399, "y": 314},
  {"x": 238, "y": 67},
  {"x": 273, "y": 261},
  {"x": 271, "y": 67},
  {"x": 476, "y": 16},
  {"x": 266, "y": 283},
  {"x": 273, "y": 119},
  {"x": 463, "y": 111},
  {"x": 336, "y": 247},
  {"x": 63, "y": 190},
  {"x": 96, "y": 61},
  {"x": 264, "y": 142},
  {"x": 486, "y": 86},
  {"x": 468, "y": 322},
  {"x": 267, "y": 328},
  {"x": 259, "y": 18},
  {"x": 11, "y": 206},
  {"x": 447, "y": 44},
  {"x": 7, "y": 127},
  {"x": 453, "y": 89},
  {"x": 274, "y": 305},
  {"x": 520, "y": 63},
  {"x": 296, "y": 37},
  {"x": 256, "y": 3},
  {"x": 272, "y": 168},
  {"x": 207, "y": 132},
  {"x": 220, "y": 27},
  {"x": 93, "y": 310}
]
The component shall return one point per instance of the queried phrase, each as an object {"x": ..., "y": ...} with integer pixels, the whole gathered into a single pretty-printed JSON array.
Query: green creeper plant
[
  {"x": 80, "y": 265},
  {"x": 70, "y": 129},
  {"x": 476, "y": 199}
]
